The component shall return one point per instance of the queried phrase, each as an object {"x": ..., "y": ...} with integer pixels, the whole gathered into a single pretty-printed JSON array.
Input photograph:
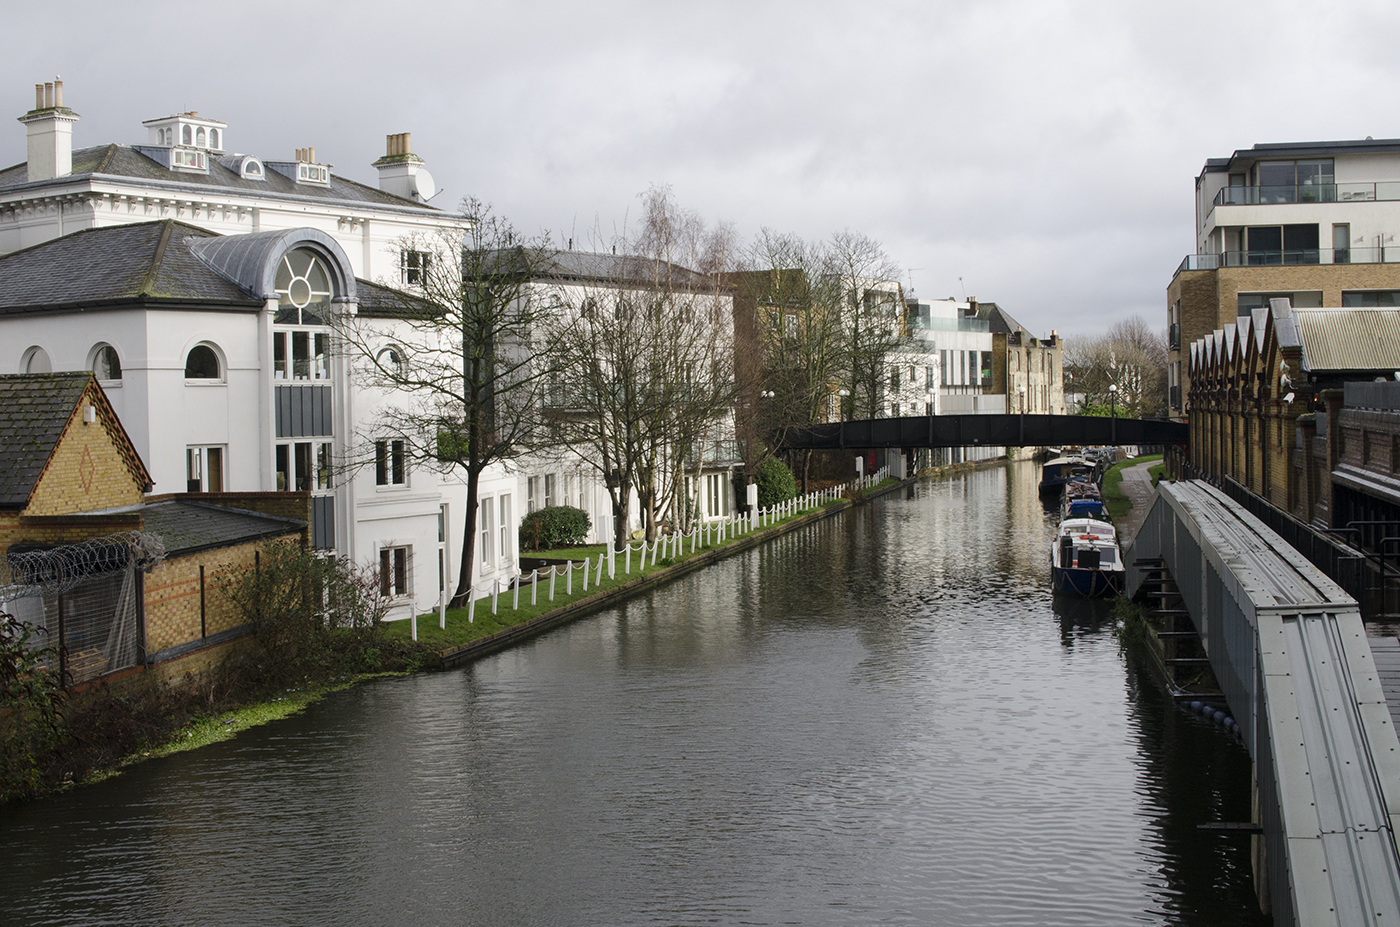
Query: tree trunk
[{"x": 464, "y": 580}]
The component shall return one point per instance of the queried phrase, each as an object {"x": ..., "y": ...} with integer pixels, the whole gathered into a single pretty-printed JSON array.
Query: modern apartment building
[{"x": 1313, "y": 222}]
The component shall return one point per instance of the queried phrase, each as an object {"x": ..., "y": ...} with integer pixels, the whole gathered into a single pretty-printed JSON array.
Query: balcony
[
  {"x": 1387, "y": 255},
  {"x": 1174, "y": 337},
  {"x": 1384, "y": 190}
]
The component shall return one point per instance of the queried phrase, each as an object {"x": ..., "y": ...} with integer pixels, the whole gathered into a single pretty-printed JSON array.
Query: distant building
[{"x": 1312, "y": 222}]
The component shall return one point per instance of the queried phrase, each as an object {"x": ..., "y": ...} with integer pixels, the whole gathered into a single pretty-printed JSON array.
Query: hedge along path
[{"x": 525, "y": 605}]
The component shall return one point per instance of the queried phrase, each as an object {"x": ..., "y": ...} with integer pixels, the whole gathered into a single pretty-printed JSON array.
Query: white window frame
[
  {"x": 199, "y": 466},
  {"x": 485, "y": 533},
  {"x": 390, "y": 455},
  {"x": 505, "y": 526},
  {"x": 389, "y": 584}
]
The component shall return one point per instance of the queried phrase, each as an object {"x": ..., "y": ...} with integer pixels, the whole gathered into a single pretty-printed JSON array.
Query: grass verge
[{"x": 1114, "y": 499}]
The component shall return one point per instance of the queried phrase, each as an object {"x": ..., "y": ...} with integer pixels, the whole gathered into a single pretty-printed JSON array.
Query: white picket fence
[{"x": 669, "y": 547}]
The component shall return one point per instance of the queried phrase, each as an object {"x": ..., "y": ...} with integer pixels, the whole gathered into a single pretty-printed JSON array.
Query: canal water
[{"x": 884, "y": 718}]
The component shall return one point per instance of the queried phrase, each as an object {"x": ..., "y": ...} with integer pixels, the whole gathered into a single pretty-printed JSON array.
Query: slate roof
[
  {"x": 34, "y": 410},
  {"x": 125, "y": 162},
  {"x": 999, "y": 321},
  {"x": 186, "y": 527},
  {"x": 618, "y": 270},
  {"x": 125, "y": 263}
]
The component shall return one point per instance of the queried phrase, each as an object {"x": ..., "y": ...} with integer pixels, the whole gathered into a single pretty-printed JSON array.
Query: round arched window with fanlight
[{"x": 303, "y": 289}]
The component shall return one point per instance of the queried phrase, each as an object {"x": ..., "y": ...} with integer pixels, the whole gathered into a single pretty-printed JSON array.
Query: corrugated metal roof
[{"x": 1349, "y": 339}]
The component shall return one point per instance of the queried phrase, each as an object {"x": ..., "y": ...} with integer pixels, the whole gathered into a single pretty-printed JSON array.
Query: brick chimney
[{"x": 50, "y": 126}]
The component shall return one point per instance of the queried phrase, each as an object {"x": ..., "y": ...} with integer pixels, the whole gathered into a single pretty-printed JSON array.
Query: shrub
[
  {"x": 553, "y": 526},
  {"x": 309, "y": 612},
  {"x": 31, "y": 698},
  {"x": 775, "y": 483}
]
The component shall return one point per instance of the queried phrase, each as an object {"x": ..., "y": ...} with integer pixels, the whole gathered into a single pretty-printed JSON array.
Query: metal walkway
[{"x": 1291, "y": 655}]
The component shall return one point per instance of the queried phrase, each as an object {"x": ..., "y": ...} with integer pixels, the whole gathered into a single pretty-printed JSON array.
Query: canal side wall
[{"x": 509, "y": 637}]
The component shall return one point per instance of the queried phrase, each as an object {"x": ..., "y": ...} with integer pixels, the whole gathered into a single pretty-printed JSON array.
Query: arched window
[
  {"x": 391, "y": 359},
  {"x": 185, "y": 136},
  {"x": 202, "y": 364},
  {"x": 36, "y": 360},
  {"x": 105, "y": 363},
  {"x": 213, "y": 138},
  {"x": 303, "y": 289},
  {"x": 199, "y": 137}
]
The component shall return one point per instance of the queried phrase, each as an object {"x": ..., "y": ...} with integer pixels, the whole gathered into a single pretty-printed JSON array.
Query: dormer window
[
  {"x": 249, "y": 168},
  {"x": 189, "y": 159},
  {"x": 313, "y": 173}
]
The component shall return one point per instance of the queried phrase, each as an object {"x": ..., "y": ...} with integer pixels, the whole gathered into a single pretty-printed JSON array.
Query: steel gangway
[{"x": 1292, "y": 658}]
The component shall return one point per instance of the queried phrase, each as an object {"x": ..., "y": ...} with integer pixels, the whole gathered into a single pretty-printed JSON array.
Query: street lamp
[
  {"x": 1021, "y": 392},
  {"x": 1113, "y": 412},
  {"x": 843, "y": 393}
]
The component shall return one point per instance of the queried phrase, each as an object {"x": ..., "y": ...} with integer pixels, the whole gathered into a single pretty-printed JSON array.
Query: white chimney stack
[
  {"x": 401, "y": 172},
  {"x": 50, "y": 126}
]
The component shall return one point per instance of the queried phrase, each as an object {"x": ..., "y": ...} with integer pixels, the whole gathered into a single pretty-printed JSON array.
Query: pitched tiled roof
[
  {"x": 34, "y": 410},
  {"x": 126, "y": 162},
  {"x": 186, "y": 526},
  {"x": 146, "y": 261}
]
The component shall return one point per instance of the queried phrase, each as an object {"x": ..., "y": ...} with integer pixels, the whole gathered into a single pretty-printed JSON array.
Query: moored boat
[
  {"x": 1085, "y": 560},
  {"x": 1056, "y": 473}
]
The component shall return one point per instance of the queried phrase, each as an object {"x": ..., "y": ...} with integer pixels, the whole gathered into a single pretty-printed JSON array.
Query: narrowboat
[{"x": 1085, "y": 559}]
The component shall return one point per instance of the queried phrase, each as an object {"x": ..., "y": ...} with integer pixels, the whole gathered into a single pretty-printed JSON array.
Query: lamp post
[
  {"x": 842, "y": 394},
  {"x": 931, "y": 393},
  {"x": 1021, "y": 392},
  {"x": 1113, "y": 411}
]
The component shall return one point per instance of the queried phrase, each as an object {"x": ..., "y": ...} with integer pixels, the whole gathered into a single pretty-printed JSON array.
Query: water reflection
[{"x": 885, "y": 718}]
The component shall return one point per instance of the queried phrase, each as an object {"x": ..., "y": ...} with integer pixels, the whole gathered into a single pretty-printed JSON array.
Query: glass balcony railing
[
  {"x": 1382, "y": 190},
  {"x": 1387, "y": 255}
]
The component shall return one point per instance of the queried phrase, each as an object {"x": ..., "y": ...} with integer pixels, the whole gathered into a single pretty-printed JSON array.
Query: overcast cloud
[{"x": 1044, "y": 151}]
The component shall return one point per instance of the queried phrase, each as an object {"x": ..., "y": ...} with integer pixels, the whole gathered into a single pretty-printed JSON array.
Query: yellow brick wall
[
  {"x": 85, "y": 472},
  {"x": 173, "y": 599}
]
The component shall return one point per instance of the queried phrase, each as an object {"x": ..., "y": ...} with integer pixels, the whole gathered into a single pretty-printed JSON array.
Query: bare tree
[
  {"x": 1132, "y": 358},
  {"x": 648, "y": 369},
  {"x": 871, "y": 303},
  {"x": 460, "y": 354}
]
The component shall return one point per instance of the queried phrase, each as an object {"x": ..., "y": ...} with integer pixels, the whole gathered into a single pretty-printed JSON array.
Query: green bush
[
  {"x": 775, "y": 483},
  {"x": 31, "y": 698},
  {"x": 553, "y": 526}
]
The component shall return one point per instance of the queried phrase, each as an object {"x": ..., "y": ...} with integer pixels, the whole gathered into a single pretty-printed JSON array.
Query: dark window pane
[
  {"x": 381, "y": 463},
  {"x": 202, "y": 363}
]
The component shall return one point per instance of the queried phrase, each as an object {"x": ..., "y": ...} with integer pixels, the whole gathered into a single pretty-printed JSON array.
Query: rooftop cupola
[
  {"x": 50, "y": 126},
  {"x": 186, "y": 130},
  {"x": 183, "y": 142},
  {"x": 401, "y": 172}
]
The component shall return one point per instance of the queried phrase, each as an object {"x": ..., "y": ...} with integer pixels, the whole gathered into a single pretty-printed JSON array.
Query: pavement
[{"x": 1137, "y": 486}]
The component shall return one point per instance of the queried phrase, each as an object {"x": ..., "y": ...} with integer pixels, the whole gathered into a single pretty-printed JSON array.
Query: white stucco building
[{"x": 200, "y": 284}]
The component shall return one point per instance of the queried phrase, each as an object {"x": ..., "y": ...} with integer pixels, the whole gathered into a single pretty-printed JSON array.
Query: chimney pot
[
  {"x": 48, "y": 95},
  {"x": 311, "y": 155},
  {"x": 57, "y": 90},
  {"x": 38, "y": 96}
]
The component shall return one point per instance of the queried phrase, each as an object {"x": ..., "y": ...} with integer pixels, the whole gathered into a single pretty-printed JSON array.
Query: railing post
[{"x": 534, "y": 586}]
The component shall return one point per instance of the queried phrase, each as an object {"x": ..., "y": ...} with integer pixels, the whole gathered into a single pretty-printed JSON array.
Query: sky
[{"x": 1037, "y": 153}]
